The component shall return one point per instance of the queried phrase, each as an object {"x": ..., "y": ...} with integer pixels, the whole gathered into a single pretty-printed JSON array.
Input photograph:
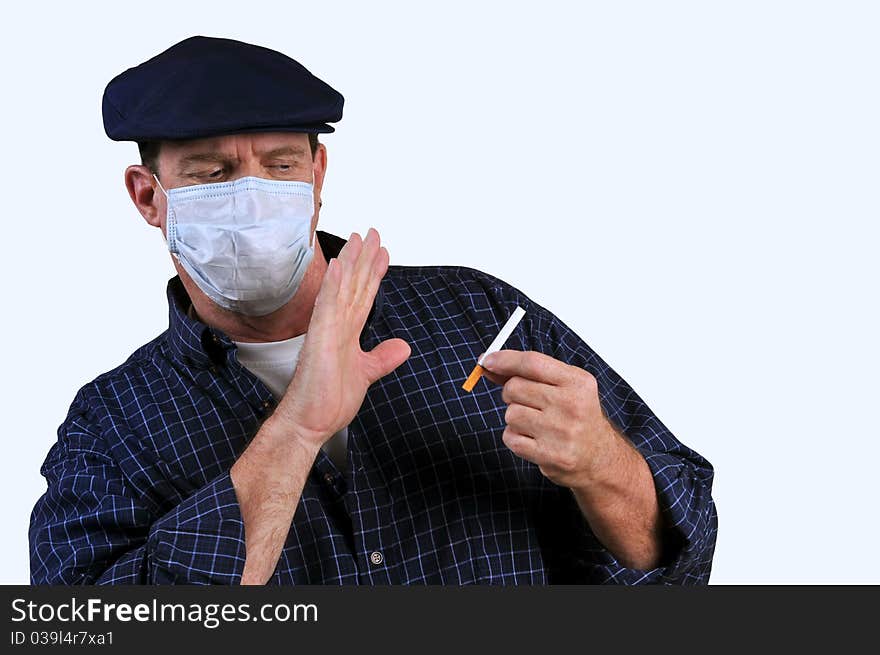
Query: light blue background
[{"x": 692, "y": 186}]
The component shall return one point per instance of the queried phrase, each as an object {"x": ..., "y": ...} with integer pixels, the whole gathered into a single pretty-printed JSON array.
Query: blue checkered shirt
[{"x": 139, "y": 489}]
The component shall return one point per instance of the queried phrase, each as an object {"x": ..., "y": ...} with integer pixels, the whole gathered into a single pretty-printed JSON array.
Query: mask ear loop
[
  {"x": 160, "y": 185},
  {"x": 166, "y": 195},
  {"x": 315, "y": 233}
]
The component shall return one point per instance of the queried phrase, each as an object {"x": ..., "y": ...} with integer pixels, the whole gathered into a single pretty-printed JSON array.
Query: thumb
[
  {"x": 386, "y": 357},
  {"x": 495, "y": 378}
]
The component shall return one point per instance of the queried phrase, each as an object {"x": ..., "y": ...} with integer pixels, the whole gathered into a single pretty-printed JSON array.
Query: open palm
[{"x": 333, "y": 373}]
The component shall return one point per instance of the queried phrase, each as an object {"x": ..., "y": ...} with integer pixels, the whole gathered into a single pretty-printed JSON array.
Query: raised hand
[{"x": 333, "y": 373}]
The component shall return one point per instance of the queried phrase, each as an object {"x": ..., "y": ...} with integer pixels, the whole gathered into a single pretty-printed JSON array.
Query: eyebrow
[
  {"x": 218, "y": 158},
  {"x": 207, "y": 157},
  {"x": 295, "y": 151}
]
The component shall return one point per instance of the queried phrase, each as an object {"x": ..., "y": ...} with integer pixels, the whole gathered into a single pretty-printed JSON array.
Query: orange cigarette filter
[
  {"x": 475, "y": 375},
  {"x": 495, "y": 346}
]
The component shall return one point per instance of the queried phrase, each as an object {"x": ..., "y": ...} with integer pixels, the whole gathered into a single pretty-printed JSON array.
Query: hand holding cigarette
[{"x": 495, "y": 346}]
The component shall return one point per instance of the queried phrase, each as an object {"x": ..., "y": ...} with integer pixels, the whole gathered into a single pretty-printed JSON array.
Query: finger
[
  {"x": 495, "y": 378},
  {"x": 500, "y": 380},
  {"x": 527, "y": 364},
  {"x": 525, "y": 420},
  {"x": 348, "y": 256},
  {"x": 371, "y": 268},
  {"x": 526, "y": 392},
  {"x": 360, "y": 308},
  {"x": 380, "y": 267},
  {"x": 364, "y": 266},
  {"x": 325, "y": 312},
  {"x": 386, "y": 357},
  {"x": 521, "y": 445},
  {"x": 351, "y": 248}
]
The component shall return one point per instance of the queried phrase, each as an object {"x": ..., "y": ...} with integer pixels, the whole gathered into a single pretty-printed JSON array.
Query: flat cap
[{"x": 206, "y": 86}]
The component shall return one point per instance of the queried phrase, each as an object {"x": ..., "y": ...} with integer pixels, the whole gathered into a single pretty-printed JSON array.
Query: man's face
[{"x": 272, "y": 156}]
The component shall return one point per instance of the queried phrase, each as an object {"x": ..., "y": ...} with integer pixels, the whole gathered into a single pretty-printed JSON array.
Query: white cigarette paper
[{"x": 505, "y": 333}]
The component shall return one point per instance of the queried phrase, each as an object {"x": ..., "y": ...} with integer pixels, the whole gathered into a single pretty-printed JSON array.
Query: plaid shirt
[{"x": 139, "y": 488}]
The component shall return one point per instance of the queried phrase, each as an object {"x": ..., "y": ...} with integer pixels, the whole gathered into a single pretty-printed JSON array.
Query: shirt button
[
  {"x": 266, "y": 404},
  {"x": 376, "y": 557},
  {"x": 328, "y": 478}
]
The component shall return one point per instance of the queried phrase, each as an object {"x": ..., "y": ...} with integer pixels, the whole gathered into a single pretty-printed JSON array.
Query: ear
[
  {"x": 146, "y": 195},
  {"x": 319, "y": 168}
]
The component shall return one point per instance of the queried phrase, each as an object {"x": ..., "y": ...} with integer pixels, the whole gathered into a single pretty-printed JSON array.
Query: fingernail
[{"x": 488, "y": 361}]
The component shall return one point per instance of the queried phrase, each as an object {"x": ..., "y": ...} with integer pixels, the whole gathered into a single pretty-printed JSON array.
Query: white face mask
[{"x": 245, "y": 243}]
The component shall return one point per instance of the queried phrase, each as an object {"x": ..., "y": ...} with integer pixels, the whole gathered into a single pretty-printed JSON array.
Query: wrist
[
  {"x": 280, "y": 434},
  {"x": 607, "y": 472},
  {"x": 272, "y": 460}
]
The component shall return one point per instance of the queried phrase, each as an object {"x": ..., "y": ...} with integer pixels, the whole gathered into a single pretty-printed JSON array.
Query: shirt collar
[{"x": 195, "y": 343}]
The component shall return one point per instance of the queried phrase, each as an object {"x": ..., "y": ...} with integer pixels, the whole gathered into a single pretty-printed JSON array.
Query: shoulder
[
  {"x": 463, "y": 293},
  {"x": 83, "y": 431},
  {"x": 111, "y": 389},
  {"x": 459, "y": 281}
]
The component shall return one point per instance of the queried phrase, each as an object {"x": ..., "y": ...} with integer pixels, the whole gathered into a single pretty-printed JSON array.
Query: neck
[{"x": 287, "y": 322}]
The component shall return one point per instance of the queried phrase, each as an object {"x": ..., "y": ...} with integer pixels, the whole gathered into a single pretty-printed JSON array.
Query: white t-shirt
[{"x": 274, "y": 362}]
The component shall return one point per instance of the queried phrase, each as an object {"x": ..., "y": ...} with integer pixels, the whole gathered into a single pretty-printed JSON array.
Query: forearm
[
  {"x": 622, "y": 509},
  {"x": 269, "y": 478}
]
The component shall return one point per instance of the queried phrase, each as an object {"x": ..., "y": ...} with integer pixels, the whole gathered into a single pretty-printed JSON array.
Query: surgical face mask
[{"x": 244, "y": 243}]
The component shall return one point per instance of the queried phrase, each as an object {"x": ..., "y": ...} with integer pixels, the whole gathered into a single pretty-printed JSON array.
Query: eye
[
  {"x": 284, "y": 168},
  {"x": 216, "y": 173}
]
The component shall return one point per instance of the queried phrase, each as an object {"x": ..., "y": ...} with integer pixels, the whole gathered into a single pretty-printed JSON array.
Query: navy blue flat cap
[{"x": 209, "y": 87}]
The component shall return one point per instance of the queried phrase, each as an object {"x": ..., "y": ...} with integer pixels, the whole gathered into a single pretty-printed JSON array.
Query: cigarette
[{"x": 495, "y": 346}]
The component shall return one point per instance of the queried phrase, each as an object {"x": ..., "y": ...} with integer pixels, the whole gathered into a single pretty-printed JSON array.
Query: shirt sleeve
[
  {"x": 683, "y": 478},
  {"x": 91, "y": 528}
]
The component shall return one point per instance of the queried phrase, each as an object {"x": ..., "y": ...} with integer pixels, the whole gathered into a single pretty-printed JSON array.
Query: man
[{"x": 302, "y": 419}]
